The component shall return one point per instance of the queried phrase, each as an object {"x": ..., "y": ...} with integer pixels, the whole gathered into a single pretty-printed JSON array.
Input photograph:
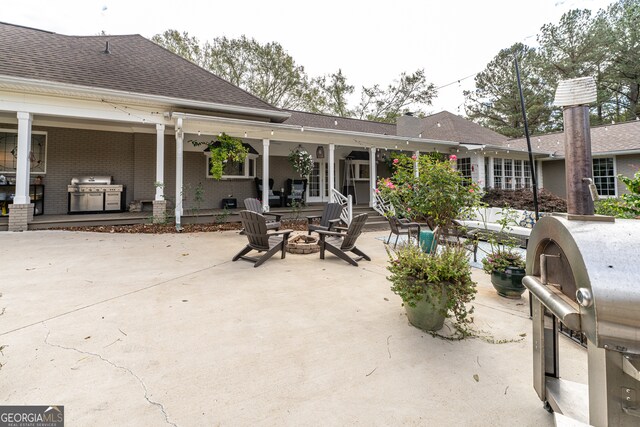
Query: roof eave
[{"x": 67, "y": 89}]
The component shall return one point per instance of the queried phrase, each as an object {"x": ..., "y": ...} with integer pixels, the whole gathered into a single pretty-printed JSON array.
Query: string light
[
  {"x": 245, "y": 134},
  {"x": 302, "y": 129},
  {"x": 420, "y": 135},
  {"x": 407, "y": 142},
  {"x": 198, "y": 133},
  {"x": 272, "y": 133},
  {"x": 396, "y": 146},
  {"x": 438, "y": 124},
  {"x": 335, "y": 123}
]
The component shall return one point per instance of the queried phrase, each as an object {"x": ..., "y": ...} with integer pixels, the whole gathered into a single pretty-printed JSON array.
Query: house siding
[
  {"x": 627, "y": 166},
  {"x": 553, "y": 174}
]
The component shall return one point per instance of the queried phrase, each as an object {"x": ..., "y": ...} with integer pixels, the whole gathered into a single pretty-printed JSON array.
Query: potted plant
[
  {"x": 301, "y": 161},
  {"x": 433, "y": 286},
  {"x": 503, "y": 262}
]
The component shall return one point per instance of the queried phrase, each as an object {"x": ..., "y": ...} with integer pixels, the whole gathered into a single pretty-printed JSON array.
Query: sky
[{"x": 371, "y": 41}]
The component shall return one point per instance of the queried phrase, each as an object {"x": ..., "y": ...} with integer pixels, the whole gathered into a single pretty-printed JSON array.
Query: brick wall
[{"x": 131, "y": 160}]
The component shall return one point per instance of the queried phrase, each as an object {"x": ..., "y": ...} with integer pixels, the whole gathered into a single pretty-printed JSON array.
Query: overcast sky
[{"x": 372, "y": 41}]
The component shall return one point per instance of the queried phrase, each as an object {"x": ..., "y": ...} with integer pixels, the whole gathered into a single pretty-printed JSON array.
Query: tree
[
  {"x": 180, "y": 44},
  {"x": 411, "y": 91},
  {"x": 495, "y": 102},
  {"x": 574, "y": 48},
  {"x": 623, "y": 22},
  {"x": 330, "y": 93},
  {"x": 265, "y": 70}
]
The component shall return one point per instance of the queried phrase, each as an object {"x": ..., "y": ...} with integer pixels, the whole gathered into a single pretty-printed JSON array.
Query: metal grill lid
[{"x": 92, "y": 180}]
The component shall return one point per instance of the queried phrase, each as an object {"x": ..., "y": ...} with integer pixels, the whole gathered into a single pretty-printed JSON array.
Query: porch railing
[
  {"x": 382, "y": 206},
  {"x": 347, "y": 205}
]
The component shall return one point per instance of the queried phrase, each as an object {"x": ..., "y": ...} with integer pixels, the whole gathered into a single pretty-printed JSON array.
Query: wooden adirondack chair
[
  {"x": 260, "y": 239},
  {"x": 255, "y": 205},
  {"x": 329, "y": 218},
  {"x": 339, "y": 243}
]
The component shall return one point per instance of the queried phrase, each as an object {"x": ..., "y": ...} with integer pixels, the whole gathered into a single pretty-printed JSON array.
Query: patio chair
[
  {"x": 402, "y": 227},
  {"x": 457, "y": 234},
  {"x": 261, "y": 239},
  {"x": 330, "y": 217},
  {"x": 255, "y": 205},
  {"x": 339, "y": 243},
  {"x": 296, "y": 189},
  {"x": 275, "y": 197}
]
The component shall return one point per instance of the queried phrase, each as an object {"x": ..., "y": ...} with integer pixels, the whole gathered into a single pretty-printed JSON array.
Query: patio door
[{"x": 318, "y": 186}]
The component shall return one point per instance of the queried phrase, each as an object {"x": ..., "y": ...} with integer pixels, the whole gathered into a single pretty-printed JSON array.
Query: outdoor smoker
[{"x": 582, "y": 270}]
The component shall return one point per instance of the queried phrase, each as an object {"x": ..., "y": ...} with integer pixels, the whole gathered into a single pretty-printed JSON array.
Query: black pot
[{"x": 508, "y": 283}]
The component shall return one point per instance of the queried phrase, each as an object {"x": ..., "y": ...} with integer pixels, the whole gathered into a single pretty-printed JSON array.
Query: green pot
[
  {"x": 508, "y": 283},
  {"x": 427, "y": 315}
]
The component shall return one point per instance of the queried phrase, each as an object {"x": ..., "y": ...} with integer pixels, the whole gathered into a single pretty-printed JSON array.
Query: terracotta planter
[
  {"x": 508, "y": 283},
  {"x": 427, "y": 315}
]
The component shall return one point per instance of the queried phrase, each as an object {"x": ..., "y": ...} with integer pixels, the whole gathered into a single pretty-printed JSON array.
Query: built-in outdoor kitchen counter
[{"x": 95, "y": 194}]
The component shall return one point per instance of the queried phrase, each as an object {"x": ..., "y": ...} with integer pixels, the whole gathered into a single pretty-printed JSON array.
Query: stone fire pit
[{"x": 303, "y": 244}]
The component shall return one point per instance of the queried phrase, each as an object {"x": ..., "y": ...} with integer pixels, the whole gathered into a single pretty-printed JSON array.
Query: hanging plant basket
[
  {"x": 224, "y": 149},
  {"x": 301, "y": 161}
]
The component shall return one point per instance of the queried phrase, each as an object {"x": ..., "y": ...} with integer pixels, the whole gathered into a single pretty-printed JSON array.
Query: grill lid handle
[{"x": 560, "y": 308}]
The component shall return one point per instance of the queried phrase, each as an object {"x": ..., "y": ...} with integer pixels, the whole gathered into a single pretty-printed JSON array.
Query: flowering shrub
[
  {"x": 438, "y": 195},
  {"x": 301, "y": 162}
]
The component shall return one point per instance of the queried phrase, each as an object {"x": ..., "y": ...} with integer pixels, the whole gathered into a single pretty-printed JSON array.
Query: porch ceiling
[{"x": 296, "y": 134}]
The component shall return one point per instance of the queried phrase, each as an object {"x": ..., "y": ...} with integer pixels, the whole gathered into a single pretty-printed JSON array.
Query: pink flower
[
  {"x": 471, "y": 190},
  {"x": 408, "y": 209},
  {"x": 453, "y": 157},
  {"x": 413, "y": 157},
  {"x": 377, "y": 191},
  {"x": 395, "y": 161}
]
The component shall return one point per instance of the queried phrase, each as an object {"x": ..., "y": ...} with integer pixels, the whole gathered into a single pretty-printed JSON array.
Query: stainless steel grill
[
  {"x": 582, "y": 271},
  {"x": 95, "y": 194}
]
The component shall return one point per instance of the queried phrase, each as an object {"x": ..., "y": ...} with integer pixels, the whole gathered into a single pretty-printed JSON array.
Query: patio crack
[{"x": 115, "y": 365}]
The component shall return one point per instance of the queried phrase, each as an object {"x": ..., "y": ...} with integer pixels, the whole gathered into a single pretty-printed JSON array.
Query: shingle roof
[
  {"x": 135, "y": 64},
  {"x": 445, "y": 126},
  {"x": 302, "y": 118},
  {"x": 604, "y": 139}
]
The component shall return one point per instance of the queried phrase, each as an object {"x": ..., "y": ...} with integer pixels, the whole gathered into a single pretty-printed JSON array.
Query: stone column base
[
  {"x": 159, "y": 211},
  {"x": 20, "y": 216}
]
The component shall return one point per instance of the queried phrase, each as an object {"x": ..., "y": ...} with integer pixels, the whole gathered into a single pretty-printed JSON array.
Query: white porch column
[
  {"x": 160, "y": 162},
  {"x": 539, "y": 174},
  {"x": 179, "y": 166},
  {"x": 416, "y": 169},
  {"x": 23, "y": 162},
  {"x": 332, "y": 170},
  {"x": 373, "y": 174},
  {"x": 482, "y": 179},
  {"x": 490, "y": 181},
  {"x": 265, "y": 175}
]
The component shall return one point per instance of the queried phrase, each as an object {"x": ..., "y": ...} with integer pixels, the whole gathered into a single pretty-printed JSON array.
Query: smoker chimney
[
  {"x": 574, "y": 96},
  {"x": 107, "y": 48}
]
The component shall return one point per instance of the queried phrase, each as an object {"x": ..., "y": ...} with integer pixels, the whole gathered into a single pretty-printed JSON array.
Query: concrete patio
[{"x": 129, "y": 329}]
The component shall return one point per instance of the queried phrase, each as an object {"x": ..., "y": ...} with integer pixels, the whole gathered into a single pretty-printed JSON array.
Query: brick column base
[
  {"x": 159, "y": 211},
  {"x": 20, "y": 216}
]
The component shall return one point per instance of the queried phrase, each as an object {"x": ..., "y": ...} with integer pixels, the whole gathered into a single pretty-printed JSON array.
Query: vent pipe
[
  {"x": 574, "y": 96},
  {"x": 107, "y": 48}
]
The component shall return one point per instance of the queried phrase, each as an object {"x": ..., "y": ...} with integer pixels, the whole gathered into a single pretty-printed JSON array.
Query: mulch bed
[{"x": 171, "y": 228}]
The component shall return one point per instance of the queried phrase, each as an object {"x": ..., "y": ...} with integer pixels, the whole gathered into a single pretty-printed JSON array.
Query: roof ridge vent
[{"x": 107, "y": 48}]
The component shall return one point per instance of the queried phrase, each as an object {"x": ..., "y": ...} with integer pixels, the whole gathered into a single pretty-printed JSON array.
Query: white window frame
[
  {"x": 248, "y": 174},
  {"x": 615, "y": 175},
  {"x": 44, "y": 158},
  {"x": 356, "y": 169},
  {"x": 464, "y": 169}
]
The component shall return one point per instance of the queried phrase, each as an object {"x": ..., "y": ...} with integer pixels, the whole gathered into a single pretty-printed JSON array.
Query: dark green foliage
[{"x": 523, "y": 199}]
